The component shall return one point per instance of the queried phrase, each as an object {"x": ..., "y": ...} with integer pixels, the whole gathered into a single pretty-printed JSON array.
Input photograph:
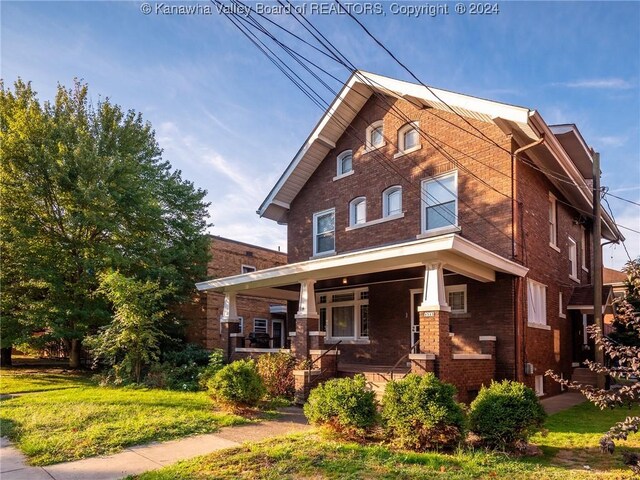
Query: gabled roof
[{"x": 556, "y": 156}]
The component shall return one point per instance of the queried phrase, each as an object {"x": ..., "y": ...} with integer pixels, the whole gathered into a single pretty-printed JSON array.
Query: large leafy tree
[{"x": 84, "y": 189}]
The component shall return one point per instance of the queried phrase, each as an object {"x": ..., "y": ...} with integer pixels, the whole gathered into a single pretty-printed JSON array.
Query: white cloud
[
  {"x": 601, "y": 83},
  {"x": 615, "y": 256},
  {"x": 610, "y": 140}
]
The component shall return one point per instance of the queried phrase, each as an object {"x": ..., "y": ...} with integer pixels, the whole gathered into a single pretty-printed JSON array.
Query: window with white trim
[
  {"x": 536, "y": 302},
  {"x": 561, "y": 313},
  {"x": 440, "y": 202},
  {"x": 408, "y": 138},
  {"x": 392, "y": 201},
  {"x": 375, "y": 135},
  {"x": 573, "y": 259},
  {"x": 539, "y": 385},
  {"x": 247, "y": 269},
  {"x": 345, "y": 313},
  {"x": 324, "y": 232},
  {"x": 357, "y": 211},
  {"x": 260, "y": 325},
  {"x": 584, "y": 249},
  {"x": 457, "y": 298},
  {"x": 345, "y": 163},
  {"x": 553, "y": 221}
]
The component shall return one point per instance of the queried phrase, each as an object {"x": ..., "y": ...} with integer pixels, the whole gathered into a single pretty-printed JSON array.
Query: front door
[
  {"x": 416, "y": 300},
  {"x": 277, "y": 333}
]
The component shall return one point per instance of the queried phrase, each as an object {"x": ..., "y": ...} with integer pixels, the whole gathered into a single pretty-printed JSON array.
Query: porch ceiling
[{"x": 456, "y": 254}]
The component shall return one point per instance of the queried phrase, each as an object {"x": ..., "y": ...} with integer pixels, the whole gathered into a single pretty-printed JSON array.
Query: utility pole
[{"x": 597, "y": 263}]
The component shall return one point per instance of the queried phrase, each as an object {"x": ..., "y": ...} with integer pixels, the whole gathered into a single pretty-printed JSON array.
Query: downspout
[{"x": 517, "y": 287}]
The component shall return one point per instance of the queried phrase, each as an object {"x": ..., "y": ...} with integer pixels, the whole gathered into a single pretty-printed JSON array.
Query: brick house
[
  {"x": 430, "y": 231},
  {"x": 255, "y": 313}
]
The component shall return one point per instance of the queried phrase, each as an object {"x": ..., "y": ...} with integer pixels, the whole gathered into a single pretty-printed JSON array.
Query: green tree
[
  {"x": 132, "y": 340},
  {"x": 84, "y": 189}
]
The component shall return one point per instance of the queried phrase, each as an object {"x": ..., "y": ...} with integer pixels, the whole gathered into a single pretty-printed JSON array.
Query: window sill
[
  {"x": 375, "y": 222},
  {"x": 539, "y": 326},
  {"x": 555, "y": 247},
  {"x": 343, "y": 175},
  {"x": 562, "y": 315},
  {"x": 439, "y": 231},
  {"x": 575, "y": 279},
  {"x": 323, "y": 255},
  {"x": 405, "y": 152},
  {"x": 373, "y": 149},
  {"x": 585, "y": 269},
  {"x": 348, "y": 341}
]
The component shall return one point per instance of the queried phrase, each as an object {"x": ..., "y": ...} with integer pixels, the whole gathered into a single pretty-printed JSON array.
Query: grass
[
  {"x": 17, "y": 380},
  {"x": 78, "y": 420},
  {"x": 571, "y": 435}
]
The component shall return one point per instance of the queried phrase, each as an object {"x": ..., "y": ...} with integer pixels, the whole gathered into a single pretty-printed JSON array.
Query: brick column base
[
  {"x": 435, "y": 339},
  {"x": 229, "y": 342}
]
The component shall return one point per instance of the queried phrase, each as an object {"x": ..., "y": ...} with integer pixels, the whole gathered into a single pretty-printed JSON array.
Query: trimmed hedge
[
  {"x": 420, "y": 413},
  {"x": 237, "y": 384},
  {"x": 276, "y": 370},
  {"x": 504, "y": 413}
]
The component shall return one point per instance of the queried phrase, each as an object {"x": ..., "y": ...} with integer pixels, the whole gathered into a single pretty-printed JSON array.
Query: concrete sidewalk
[
  {"x": 142, "y": 458},
  {"x": 562, "y": 402}
]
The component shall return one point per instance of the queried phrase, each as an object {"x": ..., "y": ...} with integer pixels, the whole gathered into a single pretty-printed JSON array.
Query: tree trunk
[
  {"x": 5, "y": 356},
  {"x": 74, "y": 353}
]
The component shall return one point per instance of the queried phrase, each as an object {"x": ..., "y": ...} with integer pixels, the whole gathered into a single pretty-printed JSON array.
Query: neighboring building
[
  {"x": 256, "y": 312},
  {"x": 433, "y": 231},
  {"x": 616, "y": 281}
]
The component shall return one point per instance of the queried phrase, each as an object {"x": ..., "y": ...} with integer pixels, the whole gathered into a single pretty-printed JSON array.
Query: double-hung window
[
  {"x": 553, "y": 222},
  {"x": 584, "y": 249},
  {"x": 457, "y": 298},
  {"x": 536, "y": 303},
  {"x": 260, "y": 325},
  {"x": 358, "y": 211},
  {"x": 344, "y": 314},
  {"x": 392, "y": 201},
  {"x": 440, "y": 202},
  {"x": 324, "y": 232},
  {"x": 573, "y": 260}
]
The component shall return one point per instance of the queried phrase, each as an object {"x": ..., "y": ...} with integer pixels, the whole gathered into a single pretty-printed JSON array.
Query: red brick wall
[{"x": 372, "y": 175}]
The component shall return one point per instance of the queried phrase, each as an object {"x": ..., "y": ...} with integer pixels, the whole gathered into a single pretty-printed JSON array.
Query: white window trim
[
  {"x": 454, "y": 289},
  {"x": 266, "y": 324},
  {"x": 423, "y": 214},
  {"x": 339, "y": 158},
  {"x": 315, "y": 233},
  {"x": 561, "y": 313},
  {"x": 385, "y": 200},
  {"x": 251, "y": 267},
  {"x": 356, "y": 303},
  {"x": 349, "y": 173},
  {"x": 374, "y": 222},
  {"x": 573, "y": 259},
  {"x": 539, "y": 385},
  {"x": 583, "y": 250},
  {"x": 401, "y": 150},
  {"x": 369, "y": 147},
  {"x": 535, "y": 323},
  {"x": 553, "y": 242},
  {"x": 353, "y": 210}
]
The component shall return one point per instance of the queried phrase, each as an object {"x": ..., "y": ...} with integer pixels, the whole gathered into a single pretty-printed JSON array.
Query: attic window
[
  {"x": 375, "y": 136},
  {"x": 408, "y": 139},
  {"x": 344, "y": 164}
]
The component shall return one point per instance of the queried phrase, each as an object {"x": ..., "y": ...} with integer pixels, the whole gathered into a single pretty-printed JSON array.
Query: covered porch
[{"x": 437, "y": 304}]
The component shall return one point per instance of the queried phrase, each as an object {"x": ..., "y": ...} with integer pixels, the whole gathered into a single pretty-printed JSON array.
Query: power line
[
  {"x": 623, "y": 199},
  {"x": 614, "y": 219}
]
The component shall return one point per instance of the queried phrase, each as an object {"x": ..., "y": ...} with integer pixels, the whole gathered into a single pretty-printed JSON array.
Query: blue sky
[{"x": 231, "y": 122}]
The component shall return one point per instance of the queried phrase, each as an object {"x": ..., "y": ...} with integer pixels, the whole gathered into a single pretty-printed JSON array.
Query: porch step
[
  {"x": 584, "y": 376},
  {"x": 377, "y": 374}
]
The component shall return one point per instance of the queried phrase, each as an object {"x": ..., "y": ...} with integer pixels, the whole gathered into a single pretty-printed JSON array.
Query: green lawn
[
  {"x": 572, "y": 443},
  {"x": 29, "y": 380},
  {"x": 78, "y": 420}
]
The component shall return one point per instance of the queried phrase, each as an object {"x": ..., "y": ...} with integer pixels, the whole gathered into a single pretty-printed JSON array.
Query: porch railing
[
  {"x": 391, "y": 372},
  {"x": 311, "y": 364}
]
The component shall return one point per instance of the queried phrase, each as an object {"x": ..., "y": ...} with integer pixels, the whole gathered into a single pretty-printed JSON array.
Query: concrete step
[{"x": 584, "y": 376}]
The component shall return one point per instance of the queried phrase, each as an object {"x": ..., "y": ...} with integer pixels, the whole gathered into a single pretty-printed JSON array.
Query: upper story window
[
  {"x": 536, "y": 303},
  {"x": 345, "y": 163},
  {"x": 375, "y": 136},
  {"x": 553, "y": 222},
  {"x": 247, "y": 269},
  {"x": 573, "y": 260},
  {"x": 324, "y": 229},
  {"x": 392, "y": 201},
  {"x": 408, "y": 139},
  {"x": 440, "y": 202},
  {"x": 584, "y": 249},
  {"x": 358, "y": 211},
  {"x": 457, "y": 298},
  {"x": 561, "y": 313}
]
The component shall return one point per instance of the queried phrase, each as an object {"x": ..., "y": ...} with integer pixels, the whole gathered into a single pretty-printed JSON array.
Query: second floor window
[
  {"x": 440, "y": 202},
  {"x": 584, "y": 249},
  {"x": 324, "y": 226},
  {"x": 358, "y": 211},
  {"x": 553, "y": 221},
  {"x": 573, "y": 259},
  {"x": 537, "y": 302},
  {"x": 392, "y": 201},
  {"x": 345, "y": 163}
]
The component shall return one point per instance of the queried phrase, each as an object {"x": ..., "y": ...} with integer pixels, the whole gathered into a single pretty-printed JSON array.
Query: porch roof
[{"x": 456, "y": 254}]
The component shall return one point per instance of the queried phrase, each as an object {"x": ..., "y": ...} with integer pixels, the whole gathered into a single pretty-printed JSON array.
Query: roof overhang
[
  {"x": 607, "y": 305},
  {"x": 454, "y": 252}
]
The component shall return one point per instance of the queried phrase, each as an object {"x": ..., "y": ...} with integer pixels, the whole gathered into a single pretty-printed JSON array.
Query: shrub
[
  {"x": 504, "y": 413},
  {"x": 420, "y": 413},
  {"x": 346, "y": 405},
  {"x": 216, "y": 362},
  {"x": 276, "y": 370},
  {"x": 183, "y": 369},
  {"x": 187, "y": 354},
  {"x": 237, "y": 384}
]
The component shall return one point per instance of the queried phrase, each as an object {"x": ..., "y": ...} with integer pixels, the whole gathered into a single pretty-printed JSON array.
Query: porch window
[
  {"x": 537, "y": 303},
  {"x": 345, "y": 163},
  {"x": 345, "y": 314},
  {"x": 573, "y": 260},
  {"x": 260, "y": 325},
  {"x": 392, "y": 201},
  {"x": 358, "y": 211},
  {"x": 457, "y": 298},
  {"x": 324, "y": 225},
  {"x": 440, "y": 202},
  {"x": 553, "y": 222}
]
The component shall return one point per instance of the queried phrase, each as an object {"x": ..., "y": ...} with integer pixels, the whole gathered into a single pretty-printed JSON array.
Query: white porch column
[
  {"x": 307, "y": 305},
  {"x": 229, "y": 310},
  {"x": 433, "y": 296}
]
